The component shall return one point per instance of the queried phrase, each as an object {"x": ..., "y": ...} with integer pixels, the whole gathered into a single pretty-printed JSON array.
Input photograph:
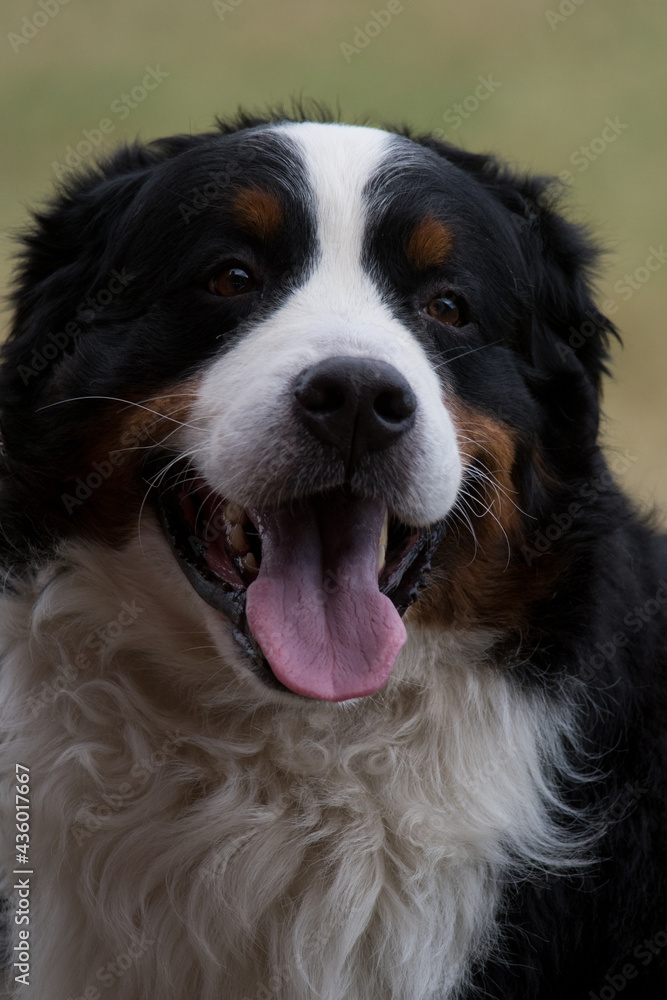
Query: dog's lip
[{"x": 222, "y": 581}]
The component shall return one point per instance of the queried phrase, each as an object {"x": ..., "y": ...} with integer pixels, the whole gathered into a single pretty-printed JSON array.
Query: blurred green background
[{"x": 555, "y": 71}]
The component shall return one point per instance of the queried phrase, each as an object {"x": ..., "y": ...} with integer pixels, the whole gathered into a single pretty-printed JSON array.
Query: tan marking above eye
[
  {"x": 258, "y": 212},
  {"x": 430, "y": 243}
]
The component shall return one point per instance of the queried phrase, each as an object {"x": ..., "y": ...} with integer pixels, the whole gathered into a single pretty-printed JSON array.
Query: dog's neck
[{"x": 338, "y": 846}]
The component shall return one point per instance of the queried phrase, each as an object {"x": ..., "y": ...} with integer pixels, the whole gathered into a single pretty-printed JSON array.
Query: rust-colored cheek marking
[
  {"x": 258, "y": 212},
  {"x": 155, "y": 419},
  {"x": 480, "y": 580},
  {"x": 430, "y": 243},
  {"x": 121, "y": 441}
]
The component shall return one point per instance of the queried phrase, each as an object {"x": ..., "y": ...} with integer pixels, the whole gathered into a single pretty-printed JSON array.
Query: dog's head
[{"x": 350, "y": 373}]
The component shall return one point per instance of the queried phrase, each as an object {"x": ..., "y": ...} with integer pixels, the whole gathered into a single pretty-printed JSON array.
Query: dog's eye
[
  {"x": 448, "y": 309},
  {"x": 232, "y": 279}
]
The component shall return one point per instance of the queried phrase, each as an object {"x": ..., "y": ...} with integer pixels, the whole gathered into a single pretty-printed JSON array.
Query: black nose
[{"x": 356, "y": 404}]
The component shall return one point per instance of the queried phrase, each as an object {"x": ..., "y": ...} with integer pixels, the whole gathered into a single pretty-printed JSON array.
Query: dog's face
[{"x": 325, "y": 359}]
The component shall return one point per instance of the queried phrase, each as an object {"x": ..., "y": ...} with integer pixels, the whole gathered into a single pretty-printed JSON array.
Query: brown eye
[
  {"x": 447, "y": 309},
  {"x": 232, "y": 280}
]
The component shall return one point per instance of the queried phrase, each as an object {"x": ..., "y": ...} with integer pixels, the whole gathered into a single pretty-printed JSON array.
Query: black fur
[{"x": 525, "y": 273}]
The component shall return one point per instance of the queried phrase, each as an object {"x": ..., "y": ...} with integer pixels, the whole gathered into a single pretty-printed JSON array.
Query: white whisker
[{"x": 127, "y": 402}]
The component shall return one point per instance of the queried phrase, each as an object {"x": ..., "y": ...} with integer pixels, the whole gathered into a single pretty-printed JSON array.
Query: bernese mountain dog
[{"x": 333, "y": 659}]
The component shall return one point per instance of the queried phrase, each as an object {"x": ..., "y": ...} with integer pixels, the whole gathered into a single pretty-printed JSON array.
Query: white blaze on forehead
[
  {"x": 340, "y": 161},
  {"x": 246, "y": 407},
  {"x": 347, "y": 313}
]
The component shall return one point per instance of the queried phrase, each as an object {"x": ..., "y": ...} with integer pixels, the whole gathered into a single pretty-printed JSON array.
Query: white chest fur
[{"x": 191, "y": 841}]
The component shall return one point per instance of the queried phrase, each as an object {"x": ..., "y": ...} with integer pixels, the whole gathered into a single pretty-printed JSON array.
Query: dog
[{"x": 332, "y": 655}]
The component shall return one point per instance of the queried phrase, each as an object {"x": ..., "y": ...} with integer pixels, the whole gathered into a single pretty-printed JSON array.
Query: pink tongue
[{"x": 315, "y": 607}]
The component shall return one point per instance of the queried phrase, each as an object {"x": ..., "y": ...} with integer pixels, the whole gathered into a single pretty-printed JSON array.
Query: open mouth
[{"x": 314, "y": 591}]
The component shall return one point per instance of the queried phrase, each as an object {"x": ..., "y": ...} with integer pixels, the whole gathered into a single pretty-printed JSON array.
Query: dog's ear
[
  {"x": 567, "y": 331},
  {"x": 65, "y": 258},
  {"x": 65, "y": 251},
  {"x": 565, "y": 338}
]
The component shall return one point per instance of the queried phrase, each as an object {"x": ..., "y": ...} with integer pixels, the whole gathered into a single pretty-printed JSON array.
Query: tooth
[
  {"x": 382, "y": 545},
  {"x": 384, "y": 534},
  {"x": 250, "y": 564},
  {"x": 239, "y": 539},
  {"x": 234, "y": 513}
]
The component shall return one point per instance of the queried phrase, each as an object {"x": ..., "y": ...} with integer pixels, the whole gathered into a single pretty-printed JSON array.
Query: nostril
[
  {"x": 320, "y": 396},
  {"x": 395, "y": 405},
  {"x": 358, "y": 405}
]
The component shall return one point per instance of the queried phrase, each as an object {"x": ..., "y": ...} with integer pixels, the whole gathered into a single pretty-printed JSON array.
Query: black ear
[
  {"x": 64, "y": 263},
  {"x": 65, "y": 251},
  {"x": 568, "y": 332}
]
